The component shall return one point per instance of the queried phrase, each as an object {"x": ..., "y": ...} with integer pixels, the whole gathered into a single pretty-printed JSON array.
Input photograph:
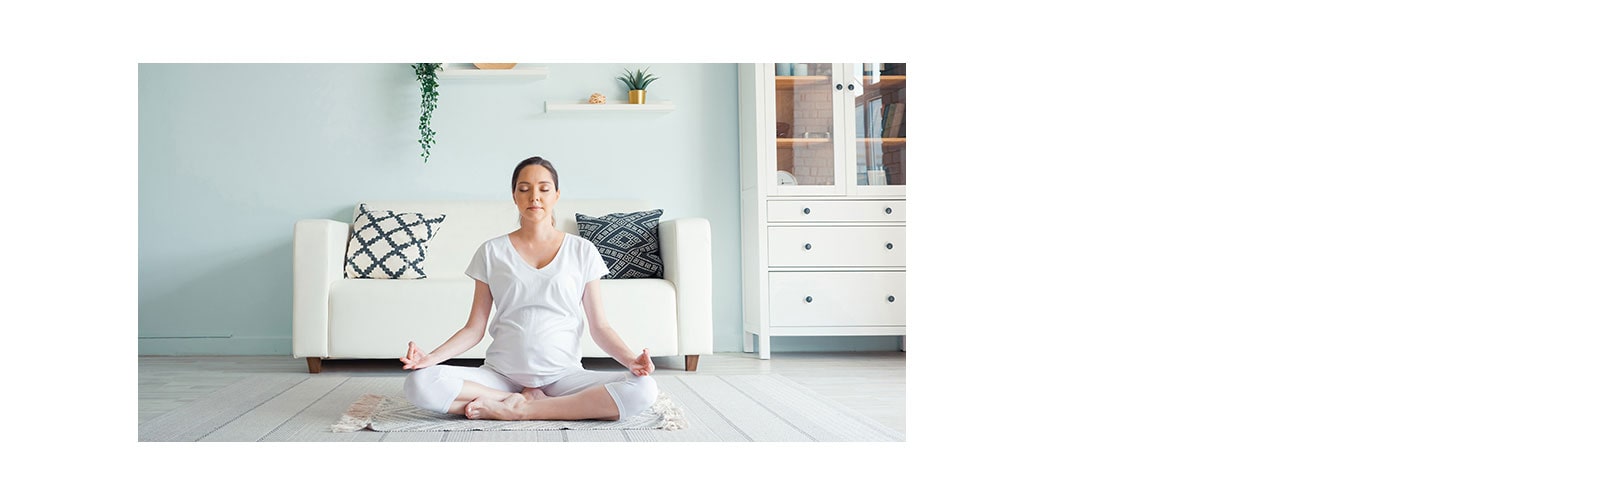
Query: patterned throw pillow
[
  {"x": 629, "y": 243},
  {"x": 389, "y": 245}
]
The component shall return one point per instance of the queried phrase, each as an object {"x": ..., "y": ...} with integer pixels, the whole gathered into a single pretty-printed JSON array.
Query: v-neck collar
[{"x": 559, "y": 248}]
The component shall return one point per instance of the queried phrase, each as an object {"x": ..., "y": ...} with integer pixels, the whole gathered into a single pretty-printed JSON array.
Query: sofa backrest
[{"x": 467, "y": 224}]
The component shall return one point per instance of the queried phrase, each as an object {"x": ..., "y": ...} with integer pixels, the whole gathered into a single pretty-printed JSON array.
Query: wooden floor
[{"x": 873, "y": 383}]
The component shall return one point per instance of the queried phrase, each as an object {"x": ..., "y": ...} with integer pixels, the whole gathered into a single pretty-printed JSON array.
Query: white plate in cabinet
[
  {"x": 838, "y": 298},
  {"x": 836, "y": 211},
  {"x": 836, "y": 246}
]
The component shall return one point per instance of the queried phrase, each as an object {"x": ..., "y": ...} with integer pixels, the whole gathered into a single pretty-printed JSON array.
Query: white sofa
[{"x": 336, "y": 317}]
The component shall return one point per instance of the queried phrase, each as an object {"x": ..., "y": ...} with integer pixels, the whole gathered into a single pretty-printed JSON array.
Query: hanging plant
[{"x": 428, "y": 74}]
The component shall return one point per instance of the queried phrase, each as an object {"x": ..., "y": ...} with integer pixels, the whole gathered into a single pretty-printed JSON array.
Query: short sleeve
[
  {"x": 478, "y": 268},
  {"x": 595, "y": 267}
]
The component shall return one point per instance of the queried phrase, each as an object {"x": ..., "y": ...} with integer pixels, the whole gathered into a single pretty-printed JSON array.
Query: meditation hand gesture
[
  {"x": 642, "y": 366},
  {"x": 415, "y": 359}
]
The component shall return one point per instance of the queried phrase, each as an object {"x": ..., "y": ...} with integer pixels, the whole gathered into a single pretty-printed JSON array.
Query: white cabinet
[
  {"x": 846, "y": 299},
  {"x": 822, "y": 176}
]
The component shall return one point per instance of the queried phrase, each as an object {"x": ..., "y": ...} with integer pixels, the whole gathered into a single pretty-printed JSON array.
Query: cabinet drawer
[
  {"x": 836, "y": 211},
  {"x": 838, "y": 298},
  {"x": 836, "y": 246}
]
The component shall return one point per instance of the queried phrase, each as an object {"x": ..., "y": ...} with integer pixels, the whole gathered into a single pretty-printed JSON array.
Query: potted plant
[
  {"x": 636, "y": 82},
  {"x": 428, "y": 74}
]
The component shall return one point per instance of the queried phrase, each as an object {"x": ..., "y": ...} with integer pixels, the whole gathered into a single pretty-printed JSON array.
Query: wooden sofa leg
[
  {"x": 315, "y": 364},
  {"x": 693, "y": 360}
]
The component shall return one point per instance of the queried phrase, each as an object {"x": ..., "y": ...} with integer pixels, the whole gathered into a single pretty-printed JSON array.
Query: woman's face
[{"x": 535, "y": 193}]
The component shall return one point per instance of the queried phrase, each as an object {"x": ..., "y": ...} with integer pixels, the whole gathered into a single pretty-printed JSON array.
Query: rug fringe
[
  {"x": 671, "y": 415},
  {"x": 359, "y": 416}
]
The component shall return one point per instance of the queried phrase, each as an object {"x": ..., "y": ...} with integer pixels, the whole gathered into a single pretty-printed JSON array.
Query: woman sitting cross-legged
[{"x": 544, "y": 283}]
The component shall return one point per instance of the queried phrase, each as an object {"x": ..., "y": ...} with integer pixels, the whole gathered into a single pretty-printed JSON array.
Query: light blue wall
[{"x": 231, "y": 155}]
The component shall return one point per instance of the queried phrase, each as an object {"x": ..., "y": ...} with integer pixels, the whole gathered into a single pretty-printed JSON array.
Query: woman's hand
[
  {"x": 415, "y": 359},
  {"x": 642, "y": 365}
]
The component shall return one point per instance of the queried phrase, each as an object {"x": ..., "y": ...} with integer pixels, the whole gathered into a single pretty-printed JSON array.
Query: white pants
[{"x": 435, "y": 387}]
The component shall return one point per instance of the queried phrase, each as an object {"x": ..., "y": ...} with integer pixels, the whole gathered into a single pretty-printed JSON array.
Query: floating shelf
[
  {"x": 663, "y": 106},
  {"x": 519, "y": 72},
  {"x": 885, "y": 81},
  {"x": 791, "y": 142},
  {"x": 790, "y": 82}
]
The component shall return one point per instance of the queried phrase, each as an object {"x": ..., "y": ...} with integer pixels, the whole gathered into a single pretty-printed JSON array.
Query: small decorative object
[
  {"x": 428, "y": 74},
  {"x": 494, "y": 65},
  {"x": 636, "y": 82},
  {"x": 597, "y": 98},
  {"x": 783, "y": 129},
  {"x": 785, "y": 69},
  {"x": 877, "y": 177},
  {"x": 802, "y": 69}
]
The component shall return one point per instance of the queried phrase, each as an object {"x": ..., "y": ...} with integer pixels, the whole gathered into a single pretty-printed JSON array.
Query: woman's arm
[
  {"x": 468, "y": 336},
  {"x": 606, "y": 337}
]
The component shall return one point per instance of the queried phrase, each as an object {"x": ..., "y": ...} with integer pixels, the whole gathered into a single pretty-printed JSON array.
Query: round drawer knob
[
  {"x": 891, "y": 298},
  {"x": 807, "y": 210},
  {"x": 808, "y": 299},
  {"x": 838, "y": 86},
  {"x": 889, "y": 246},
  {"x": 888, "y": 210},
  {"x": 808, "y": 246}
]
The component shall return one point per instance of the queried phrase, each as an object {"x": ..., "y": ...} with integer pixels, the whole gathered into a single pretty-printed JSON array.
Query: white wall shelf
[
  {"x": 521, "y": 72},
  {"x": 662, "y": 106}
]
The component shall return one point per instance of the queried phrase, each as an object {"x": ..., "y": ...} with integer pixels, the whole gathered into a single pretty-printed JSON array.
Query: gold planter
[{"x": 635, "y": 97}]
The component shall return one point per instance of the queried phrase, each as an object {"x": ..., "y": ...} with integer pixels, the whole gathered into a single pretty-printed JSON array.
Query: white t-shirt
[{"x": 538, "y": 312}]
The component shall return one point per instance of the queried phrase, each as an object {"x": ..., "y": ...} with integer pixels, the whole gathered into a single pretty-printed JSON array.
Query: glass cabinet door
[
  {"x": 880, "y": 125},
  {"x": 804, "y": 115}
]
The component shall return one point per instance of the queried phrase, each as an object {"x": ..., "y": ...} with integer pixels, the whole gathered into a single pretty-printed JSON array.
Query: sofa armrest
[
  {"x": 319, "y": 248},
  {"x": 686, "y": 256}
]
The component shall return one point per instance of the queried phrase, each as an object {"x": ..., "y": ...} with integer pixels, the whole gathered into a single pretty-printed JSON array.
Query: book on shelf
[
  {"x": 894, "y": 120},
  {"x": 883, "y": 124},
  {"x": 877, "y": 178},
  {"x": 875, "y": 118},
  {"x": 861, "y": 118}
]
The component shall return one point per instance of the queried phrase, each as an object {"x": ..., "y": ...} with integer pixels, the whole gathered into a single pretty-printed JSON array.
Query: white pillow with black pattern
[
  {"x": 630, "y": 243},
  {"x": 389, "y": 245}
]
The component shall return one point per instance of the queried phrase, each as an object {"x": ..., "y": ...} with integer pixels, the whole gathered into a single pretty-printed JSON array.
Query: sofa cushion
[
  {"x": 629, "y": 242},
  {"x": 375, "y": 318},
  {"x": 389, "y": 245},
  {"x": 645, "y": 312}
]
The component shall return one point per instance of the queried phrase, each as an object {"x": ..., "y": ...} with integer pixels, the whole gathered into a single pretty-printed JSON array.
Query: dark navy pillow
[{"x": 630, "y": 243}]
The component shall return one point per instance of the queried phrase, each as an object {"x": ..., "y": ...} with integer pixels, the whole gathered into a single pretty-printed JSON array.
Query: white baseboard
[{"x": 215, "y": 346}]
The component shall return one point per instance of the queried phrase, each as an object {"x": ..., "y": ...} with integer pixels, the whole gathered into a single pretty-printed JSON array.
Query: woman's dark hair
[{"x": 540, "y": 162}]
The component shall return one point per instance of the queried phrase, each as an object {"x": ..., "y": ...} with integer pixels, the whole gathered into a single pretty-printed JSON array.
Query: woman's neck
[{"x": 537, "y": 231}]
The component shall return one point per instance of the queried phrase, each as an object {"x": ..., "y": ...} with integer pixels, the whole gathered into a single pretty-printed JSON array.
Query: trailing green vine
[{"x": 428, "y": 74}]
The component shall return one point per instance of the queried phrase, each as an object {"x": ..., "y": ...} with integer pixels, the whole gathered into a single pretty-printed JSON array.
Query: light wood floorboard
[{"x": 872, "y": 383}]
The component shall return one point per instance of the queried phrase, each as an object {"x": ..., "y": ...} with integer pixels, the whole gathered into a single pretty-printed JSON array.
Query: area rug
[{"x": 382, "y": 413}]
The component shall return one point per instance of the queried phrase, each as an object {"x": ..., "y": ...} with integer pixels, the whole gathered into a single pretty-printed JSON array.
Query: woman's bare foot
[
  {"x": 489, "y": 409},
  {"x": 534, "y": 394}
]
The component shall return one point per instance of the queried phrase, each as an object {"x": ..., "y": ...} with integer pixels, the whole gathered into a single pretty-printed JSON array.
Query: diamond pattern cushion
[
  {"x": 629, "y": 242},
  {"x": 389, "y": 245}
]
